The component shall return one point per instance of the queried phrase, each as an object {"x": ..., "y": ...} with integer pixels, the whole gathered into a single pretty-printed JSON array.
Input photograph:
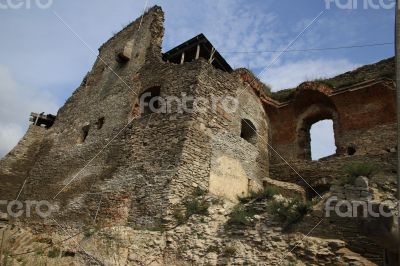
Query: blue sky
[{"x": 42, "y": 62}]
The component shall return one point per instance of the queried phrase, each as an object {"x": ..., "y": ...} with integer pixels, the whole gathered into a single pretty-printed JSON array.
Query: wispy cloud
[
  {"x": 16, "y": 103},
  {"x": 290, "y": 74},
  {"x": 233, "y": 25}
]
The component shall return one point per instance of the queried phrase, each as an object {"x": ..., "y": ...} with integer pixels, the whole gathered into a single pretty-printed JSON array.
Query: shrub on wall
[
  {"x": 240, "y": 216},
  {"x": 356, "y": 169},
  {"x": 289, "y": 211},
  {"x": 266, "y": 193}
]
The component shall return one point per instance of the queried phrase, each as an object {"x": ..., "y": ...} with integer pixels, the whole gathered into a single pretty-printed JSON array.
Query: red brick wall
[{"x": 359, "y": 114}]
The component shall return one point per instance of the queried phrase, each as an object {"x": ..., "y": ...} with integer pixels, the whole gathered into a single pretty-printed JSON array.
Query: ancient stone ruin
[{"x": 178, "y": 185}]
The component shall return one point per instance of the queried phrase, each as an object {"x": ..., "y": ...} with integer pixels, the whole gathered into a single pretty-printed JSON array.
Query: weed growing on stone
[
  {"x": 90, "y": 231},
  {"x": 356, "y": 169},
  {"x": 266, "y": 193},
  {"x": 54, "y": 252},
  {"x": 179, "y": 216},
  {"x": 199, "y": 192},
  {"x": 229, "y": 251},
  {"x": 192, "y": 207},
  {"x": 213, "y": 249},
  {"x": 6, "y": 258},
  {"x": 289, "y": 211},
  {"x": 196, "y": 207},
  {"x": 240, "y": 216}
]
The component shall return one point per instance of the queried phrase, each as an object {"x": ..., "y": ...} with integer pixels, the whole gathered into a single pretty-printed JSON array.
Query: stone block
[
  {"x": 361, "y": 181},
  {"x": 126, "y": 53}
]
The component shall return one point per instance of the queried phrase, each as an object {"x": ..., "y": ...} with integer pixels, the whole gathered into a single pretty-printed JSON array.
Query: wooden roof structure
[{"x": 195, "y": 48}]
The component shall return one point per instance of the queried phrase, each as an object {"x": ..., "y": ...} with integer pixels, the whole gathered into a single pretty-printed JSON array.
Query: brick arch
[{"x": 313, "y": 114}]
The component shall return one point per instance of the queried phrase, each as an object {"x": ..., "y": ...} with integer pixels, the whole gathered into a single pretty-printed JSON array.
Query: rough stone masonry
[{"x": 150, "y": 161}]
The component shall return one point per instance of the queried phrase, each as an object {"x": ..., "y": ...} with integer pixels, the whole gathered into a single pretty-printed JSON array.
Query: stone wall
[
  {"x": 215, "y": 156},
  {"x": 16, "y": 165},
  {"x": 321, "y": 174},
  {"x": 102, "y": 159}
]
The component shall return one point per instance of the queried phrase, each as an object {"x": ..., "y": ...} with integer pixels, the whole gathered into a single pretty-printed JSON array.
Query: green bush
[
  {"x": 54, "y": 252},
  {"x": 217, "y": 201},
  {"x": 213, "y": 249},
  {"x": 156, "y": 227},
  {"x": 39, "y": 251},
  {"x": 199, "y": 192},
  {"x": 266, "y": 193},
  {"x": 179, "y": 216},
  {"x": 229, "y": 251},
  {"x": 7, "y": 260},
  {"x": 89, "y": 231},
  {"x": 289, "y": 212},
  {"x": 196, "y": 207},
  {"x": 283, "y": 95},
  {"x": 357, "y": 169},
  {"x": 240, "y": 216},
  {"x": 193, "y": 206}
]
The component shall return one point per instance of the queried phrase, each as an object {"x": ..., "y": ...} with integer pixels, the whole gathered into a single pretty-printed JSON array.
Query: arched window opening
[
  {"x": 248, "y": 131},
  {"x": 149, "y": 101},
  {"x": 322, "y": 139},
  {"x": 84, "y": 133}
]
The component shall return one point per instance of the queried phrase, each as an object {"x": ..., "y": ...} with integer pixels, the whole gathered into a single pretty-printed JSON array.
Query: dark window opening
[
  {"x": 248, "y": 131},
  {"x": 150, "y": 101},
  {"x": 84, "y": 134},
  {"x": 351, "y": 150},
  {"x": 100, "y": 122}
]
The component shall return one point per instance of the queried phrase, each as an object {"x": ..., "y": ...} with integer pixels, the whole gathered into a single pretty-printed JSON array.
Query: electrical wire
[{"x": 311, "y": 49}]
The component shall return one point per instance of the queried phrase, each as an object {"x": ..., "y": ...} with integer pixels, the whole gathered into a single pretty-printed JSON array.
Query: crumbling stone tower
[{"x": 102, "y": 154}]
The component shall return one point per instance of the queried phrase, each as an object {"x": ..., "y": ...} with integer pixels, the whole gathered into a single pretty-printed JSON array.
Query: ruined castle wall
[
  {"x": 158, "y": 141},
  {"x": 363, "y": 118},
  {"x": 215, "y": 157},
  {"x": 106, "y": 94},
  {"x": 112, "y": 163},
  {"x": 367, "y": 119},
  {"x": 321, "y": 174}
]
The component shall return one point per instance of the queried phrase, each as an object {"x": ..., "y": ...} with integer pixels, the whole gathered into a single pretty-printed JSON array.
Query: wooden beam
[
  {"x": 212, "y": 55},
  {"x": 183, "y": 58},
  {"x": 198, "y": 51}
]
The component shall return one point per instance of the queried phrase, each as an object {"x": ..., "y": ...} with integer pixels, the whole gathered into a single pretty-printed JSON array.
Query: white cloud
[
  {"x": 10, "y": 134},
  {"x": 289, "y": 75},
  {"x": 230, "y": 25},
  {"x": 16, "y": 103}
]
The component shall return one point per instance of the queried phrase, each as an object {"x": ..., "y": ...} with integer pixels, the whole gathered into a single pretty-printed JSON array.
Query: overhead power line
[{"x": 311, "y": 49}]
